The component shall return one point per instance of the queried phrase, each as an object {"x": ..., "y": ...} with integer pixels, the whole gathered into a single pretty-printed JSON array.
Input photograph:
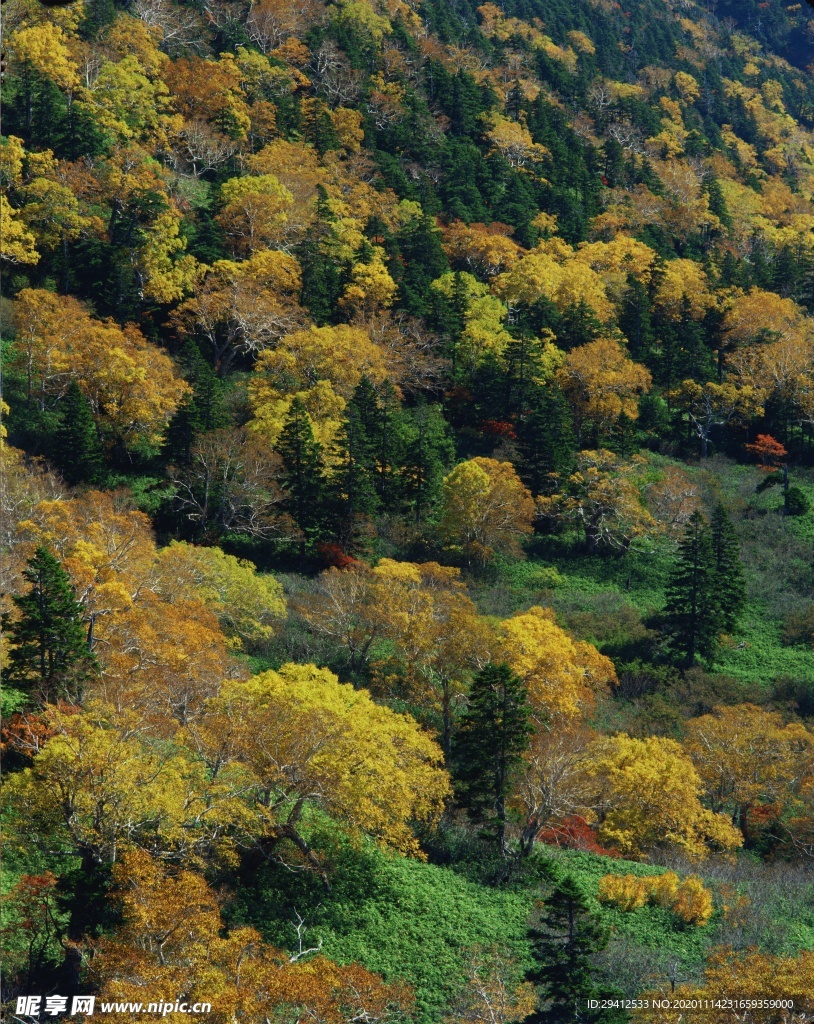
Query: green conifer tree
[
  {"x": 199, "y": 412},
  {"x": 353, "y": 485},
  {"x": 429, "y": 450},
  {"x": 546, "y": 438},
  {"x": 77, "y": 448},
  {"x": 488, "y": 750},
  {"x": 564, "y": 943},
  {"x": 692, "y": 612},
  {"x": 49, "y": 654},
  {"x": 305, "y": 475},
  {"x": 728, "y": 583},
  {"x": 635, "y": 320}
]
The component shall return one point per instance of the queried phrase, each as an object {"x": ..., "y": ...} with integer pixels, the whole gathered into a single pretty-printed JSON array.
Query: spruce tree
[
  {"x": 305, "y": 477},
  {"x": 488, "y": 750},
  {"x": 200, "y": 412},
  {"x": 49, "y": 642},
  {"x": 692, "y": 611},
  {"x": 388, "y": 434},
  {"x": 563, "y": 945},
  {"x": 545, "y": 438},
  {"x": 77, "y": 448},
  {"x": 353, "y": 485},
  {"x": 635, "y": 320},
  {"x": 729, "y": 586},
  {"x": 429, "y": 449}
]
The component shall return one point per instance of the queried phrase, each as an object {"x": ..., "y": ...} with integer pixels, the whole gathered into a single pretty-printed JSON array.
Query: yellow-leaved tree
[
  {"x": 254, "y": 212},
  {"x": 553, "y": 271},
  {"x": 171, "y": 940},
  {"x": 248, "y": 605},
  {"x": 439, "y": 637},
  {"x": 748, "y": 975},
  {"x": 746, "y": 757},
  {"x": 99, "y": 787},
  {"x": 321, "y": 366},
  {"x": 563, "y": 678},
  {"x": 646, "y": 794},
  {"x": 601, "y": 384},
  {"x": 160, "y": 654},
  {"x": 305, "y": 738},
  {"x": 484, "y": 317},
  {"x": 132, "y": 386},
  {"x": 602, "y": 497},
  {"x": 485, "y": 508},
  {"x": 240, "y": 309}
]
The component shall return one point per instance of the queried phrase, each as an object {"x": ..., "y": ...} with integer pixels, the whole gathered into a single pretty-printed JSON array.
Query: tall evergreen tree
[
  {"x": 563, "y": 945},
  {"x": 728, "y": 581},
  {"x": 305, "y": 476},
  {"x": 77, "y": 448},
  {"x": 635, "y": 319},
  {"x": 429, "y": 450},
  {"x": 49, "y": 643},
  {"x": 353, "y": 484},
  {"x": 201, "y": 411},
  {"x": 545, "y": 438},
  {"x": 488, "y": 750},
  {"x": 692, "y": 611}
]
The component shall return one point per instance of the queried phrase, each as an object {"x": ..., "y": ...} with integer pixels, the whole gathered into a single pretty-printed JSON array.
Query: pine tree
[
  {"x": 353, "y": 485},
  {"x": 429, "y": 450},
  {"x": 545, "y": 438},
  {"x": 728, "y": 582},
  {"x": 692, "y": 610},
  {"x": 305, "y": 477},
  {"x": 49, "y": 643},
  {"x": 77, "y": 448},
  {"x": 388, "y": 433},
  {"x": 563, "y": 945},
  {"x": 198, "y": 413},
  {"x": 488, "y": 751},
  {"x": 635, "y": 320}
]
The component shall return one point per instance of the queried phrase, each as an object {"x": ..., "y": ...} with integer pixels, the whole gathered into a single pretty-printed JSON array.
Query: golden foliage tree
[
  {"x": 304, "y": 737},
  {"x": 601, "y": 384},
  {"x": 157, "y": 658},
  {"x": 440, "y": 639},
  {"x": 746, "y": 757},
  {"x": 485, "y": 508},
  {"x": 321, "y": 366},
  {"x": 741, "y": 975},
  {"x": 563, "y": 677},
  {"x": 602, "y": 497},
  {"x": 647, "y": 794},
  {"x": 247, "y": 605},
  {"x": 240, "y": 309},
  {"x": 132, "y": 387},
  {"x": 99, "y": 787},
  {"x": 172, "y": 940}
]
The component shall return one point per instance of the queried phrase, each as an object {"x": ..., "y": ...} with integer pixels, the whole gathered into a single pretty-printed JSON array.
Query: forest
[{"x": 408, "y": 511}]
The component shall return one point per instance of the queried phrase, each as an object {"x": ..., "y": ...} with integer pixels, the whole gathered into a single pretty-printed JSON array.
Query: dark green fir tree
[
  {"x": 428, "y": 451},
  {"x": 77, "y": 448},
  {"x": 49, "y": 656},
  {"x": 304, "y": 474},
  {"x": 728, "y": 581},
  {"x": 692, "y": 611},
  {"x": 354, "y": 499},
  {"x": 488, "y": 749},
  {"x": 200, "y": 412},
  {"x": 564, "y": 943},
  {"x": 545, "y": 438}
]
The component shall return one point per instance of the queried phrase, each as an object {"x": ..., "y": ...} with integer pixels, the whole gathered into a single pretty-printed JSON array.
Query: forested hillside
[{"x": 408, "y": 509}]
